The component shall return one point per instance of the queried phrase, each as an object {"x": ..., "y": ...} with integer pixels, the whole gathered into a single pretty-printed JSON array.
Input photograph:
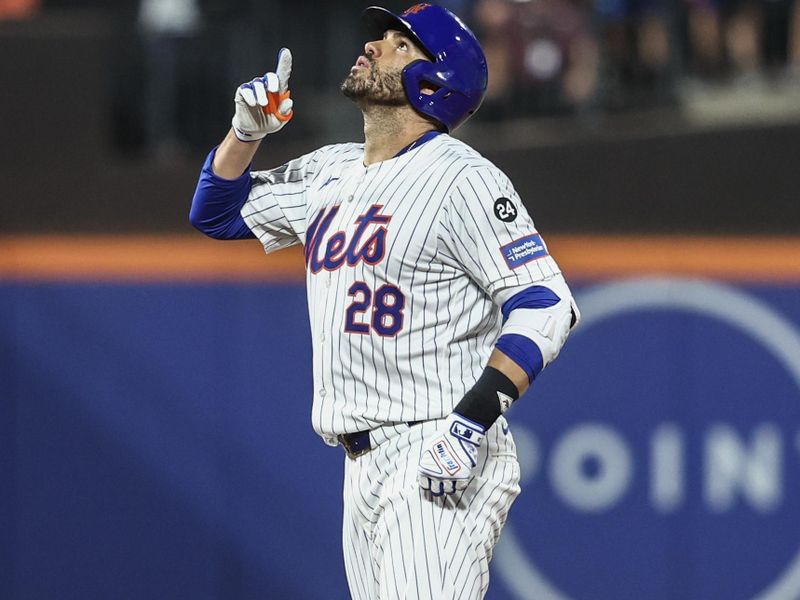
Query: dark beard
[{"x": 384, "y": 88}]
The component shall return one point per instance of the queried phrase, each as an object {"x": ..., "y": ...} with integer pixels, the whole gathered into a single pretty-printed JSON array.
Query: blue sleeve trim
[
  {"x": 522, "y": 351},
  {"x": 536, "y": 296},
  {"x": 217, "y": 204}
]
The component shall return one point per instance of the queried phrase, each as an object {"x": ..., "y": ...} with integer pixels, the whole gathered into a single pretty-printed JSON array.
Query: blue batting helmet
[{"x": 457, "y": 73}]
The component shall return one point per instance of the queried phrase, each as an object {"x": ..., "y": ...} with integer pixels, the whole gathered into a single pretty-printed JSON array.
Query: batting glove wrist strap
[
  {"x": 489, "y": 398},
  {"x": 263, "y": 105},
  {"x": 449, "y": 456}
]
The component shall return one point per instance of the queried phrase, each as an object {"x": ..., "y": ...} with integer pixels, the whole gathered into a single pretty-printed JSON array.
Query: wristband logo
[
  {"x": 665, "y": 460},
  {"x": 505, "y": 401}
]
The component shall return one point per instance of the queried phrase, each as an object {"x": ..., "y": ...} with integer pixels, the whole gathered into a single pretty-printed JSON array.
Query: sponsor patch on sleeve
[{"x": 517, "y": 253}]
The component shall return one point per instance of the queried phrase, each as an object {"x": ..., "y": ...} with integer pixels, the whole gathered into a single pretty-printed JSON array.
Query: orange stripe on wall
[
  {"x": 144, "y": 258},
  {"x": 753, "y": 259},
  {"x": 195, "y": 258}
]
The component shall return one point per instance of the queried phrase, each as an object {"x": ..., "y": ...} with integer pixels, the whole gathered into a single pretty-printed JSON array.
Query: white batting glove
[
  {"x": 263, "y": 106},
  {"x": 449, "y": 456}
]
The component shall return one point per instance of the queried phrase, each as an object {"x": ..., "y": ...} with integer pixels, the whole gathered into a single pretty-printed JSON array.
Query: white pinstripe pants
[{"x": 402, "y": 544}]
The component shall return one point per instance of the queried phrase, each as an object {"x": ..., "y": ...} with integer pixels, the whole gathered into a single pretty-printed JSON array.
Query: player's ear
[{"x": 427, "y": 88}]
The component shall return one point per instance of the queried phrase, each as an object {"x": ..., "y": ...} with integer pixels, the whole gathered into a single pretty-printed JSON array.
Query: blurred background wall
[
  {"x": 155, "y": 387},
  {"x": 623, "y": 115}
]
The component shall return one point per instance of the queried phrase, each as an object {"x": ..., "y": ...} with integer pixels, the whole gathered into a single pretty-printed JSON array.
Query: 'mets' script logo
[
  {"x": 368, "y": 243},
  {"x": 415, "y": 9}
]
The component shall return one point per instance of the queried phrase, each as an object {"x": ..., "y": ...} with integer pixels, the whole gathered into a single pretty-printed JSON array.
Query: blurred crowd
[
  {"x": 551, "y": 56},
  {"x": 546, "y": 57}
]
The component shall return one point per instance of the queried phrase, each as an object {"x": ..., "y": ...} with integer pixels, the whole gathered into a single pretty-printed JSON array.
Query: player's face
[{"x": 376, "y": 76}]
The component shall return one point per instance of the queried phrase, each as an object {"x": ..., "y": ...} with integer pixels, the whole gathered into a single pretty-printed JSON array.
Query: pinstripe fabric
[
  {"x": 442, "y": 250},
  {"x": 422, "y": 225},
  {"x": 402, "y": 544}
]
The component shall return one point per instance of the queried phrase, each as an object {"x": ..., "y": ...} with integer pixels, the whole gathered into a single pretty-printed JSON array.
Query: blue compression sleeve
[
  {"x": 536, "y": 296},
  {"x": 522, "y": 351},
  {"x": 217, "y": 204}
]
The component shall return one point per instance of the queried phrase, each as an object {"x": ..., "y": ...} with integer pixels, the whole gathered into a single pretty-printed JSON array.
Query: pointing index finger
[{"x": 284, "y": 69}]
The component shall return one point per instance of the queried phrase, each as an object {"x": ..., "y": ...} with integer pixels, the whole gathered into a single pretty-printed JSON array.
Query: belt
[{"x": 357, "y": 444}]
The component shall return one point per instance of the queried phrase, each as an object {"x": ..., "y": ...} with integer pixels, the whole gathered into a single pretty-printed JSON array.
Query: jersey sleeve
[
  {"x": 486, "y": 230},
  {"x": 275, "y": 210}
]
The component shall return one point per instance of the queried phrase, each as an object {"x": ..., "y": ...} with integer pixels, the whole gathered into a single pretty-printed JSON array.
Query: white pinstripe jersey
[{"x": 403, "y": 259}]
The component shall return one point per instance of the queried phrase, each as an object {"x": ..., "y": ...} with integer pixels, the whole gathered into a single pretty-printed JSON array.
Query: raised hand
[{"x": 263, "y": 105}]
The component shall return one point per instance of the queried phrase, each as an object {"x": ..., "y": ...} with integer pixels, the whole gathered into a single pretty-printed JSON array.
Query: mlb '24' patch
[{"x": 521, "y": 251}]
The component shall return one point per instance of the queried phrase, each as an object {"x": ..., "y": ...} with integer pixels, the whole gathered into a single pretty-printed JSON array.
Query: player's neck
[{"x": 387, "y": 130}]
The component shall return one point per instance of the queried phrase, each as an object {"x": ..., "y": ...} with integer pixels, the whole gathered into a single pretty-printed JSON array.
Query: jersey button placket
[
  {"x": 325, "y": 351},
  {"x": 323, "y": 354},
  {"x": 359, "y": 179}
]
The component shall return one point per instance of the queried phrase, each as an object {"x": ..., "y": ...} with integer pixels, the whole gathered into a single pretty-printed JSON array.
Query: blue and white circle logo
[{"x": 661, "y": 459}]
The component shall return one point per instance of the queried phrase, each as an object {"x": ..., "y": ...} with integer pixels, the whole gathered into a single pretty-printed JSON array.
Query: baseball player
[{"x": 433, "y": 300}]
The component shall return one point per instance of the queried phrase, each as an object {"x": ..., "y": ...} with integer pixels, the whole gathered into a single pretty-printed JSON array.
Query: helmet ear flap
[
  {"x": 426, "y": 88},
  {"x": 420, "y": 75}
]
